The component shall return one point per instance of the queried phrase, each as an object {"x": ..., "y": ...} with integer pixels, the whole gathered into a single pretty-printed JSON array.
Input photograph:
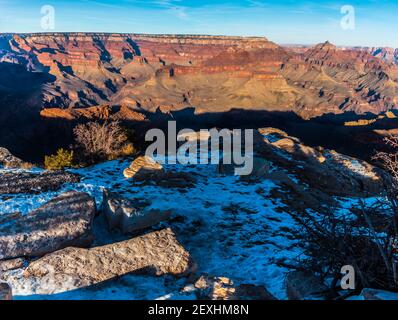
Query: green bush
[{"x": 63, "y": 159}]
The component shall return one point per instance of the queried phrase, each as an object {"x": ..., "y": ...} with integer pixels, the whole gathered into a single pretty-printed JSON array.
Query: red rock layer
[{"x": 210, "y": 73}]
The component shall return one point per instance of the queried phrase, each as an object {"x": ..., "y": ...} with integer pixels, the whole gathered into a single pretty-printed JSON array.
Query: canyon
[
  {"x": 210, "y": 73},
  {"x": 71, "y": 76},
  {"x": 133, "y": 227}
]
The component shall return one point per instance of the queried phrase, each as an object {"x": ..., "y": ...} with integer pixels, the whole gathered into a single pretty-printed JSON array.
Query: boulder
[
  {"x": 373, "y": 294},
  {"x": 5, "y": 292},
  {"x": 221, "y": 288},
  {"x": 302, "y": 285},
  {"x": 62, "y": 222},
  {"x": 8, "y": 160},
  {"x": 34, "y": 183},
  {"x": 129, "y": 215},
  {"x": 143, "y": 168},
  {"x": 157, "y": 253}
]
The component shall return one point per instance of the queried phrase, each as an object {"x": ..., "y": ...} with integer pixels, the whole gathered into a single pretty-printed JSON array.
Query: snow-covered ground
[{"x": 231, "y": 228}]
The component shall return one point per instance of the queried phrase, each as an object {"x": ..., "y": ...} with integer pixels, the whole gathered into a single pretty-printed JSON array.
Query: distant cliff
[{"x": 210, "y": 73}]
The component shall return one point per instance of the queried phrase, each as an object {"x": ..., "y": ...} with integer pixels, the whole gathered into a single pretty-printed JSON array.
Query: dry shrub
[
  {"x": 363, "y": 241},
  {"x": 98, "y": 142},
  {"x": 368, "y": 240},
  {"x": 63, "y": 159}
]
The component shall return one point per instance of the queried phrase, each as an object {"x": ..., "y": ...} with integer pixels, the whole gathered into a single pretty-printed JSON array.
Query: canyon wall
[{"x": 209, "y": 73}]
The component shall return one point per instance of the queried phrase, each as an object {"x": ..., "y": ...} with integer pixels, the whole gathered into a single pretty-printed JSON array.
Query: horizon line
[{"x": 191, "y": 35}]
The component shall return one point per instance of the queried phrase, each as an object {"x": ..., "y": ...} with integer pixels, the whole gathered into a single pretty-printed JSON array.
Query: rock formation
[
  {"x": 8, "y": 160},
  {"x": 143, "y": 168},
  {"x": 325, "y": 170},
  {"x": 62, "y": 222},
  {"x": 152, "y": 71},
  {"x": 128, "y": 215},
  {"x": 31, "y": 183},
  {"x": 156, "y": 253}
]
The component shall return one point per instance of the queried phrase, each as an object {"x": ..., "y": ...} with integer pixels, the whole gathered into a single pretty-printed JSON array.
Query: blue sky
[{"x": 286, "y": 21}]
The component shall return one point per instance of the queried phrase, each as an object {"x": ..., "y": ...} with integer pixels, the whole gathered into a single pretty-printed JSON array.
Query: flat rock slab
[
  {"x": 143, "y": 168},
  {"x": 156, "y": 253},
  {"x": 62, "y": 222},
  {"x": 34, "y": 183}
]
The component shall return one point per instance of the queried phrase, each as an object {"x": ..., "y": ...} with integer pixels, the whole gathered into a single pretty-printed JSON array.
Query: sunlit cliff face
[{"x": 210, "y": 73}]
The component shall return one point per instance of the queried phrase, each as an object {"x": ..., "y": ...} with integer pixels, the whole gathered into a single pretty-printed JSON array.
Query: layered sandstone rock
[
  {"x": 151, "y": 71},
  {"x": 99, "y": 113},
  {"x": 62, "y": 222},
  {"x": 157, "y": 253},
  {"x": 389, "y": 55},
  {"x": 324, "y": 170},
  {"x": 143, "y": 168},
  {"x": 31, "y": 183}
]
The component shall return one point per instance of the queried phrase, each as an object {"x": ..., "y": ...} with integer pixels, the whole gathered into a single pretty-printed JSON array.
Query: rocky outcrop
[
  {"x": 5, "y": 292},
  {"x": 104, "y": 112},
  {"x": 305, "y": 286},
  {"x": 32, "y": 183},
  {"x": 143, "y": 168},
  {"x": 156, "y": 253},
  {"x": 8, "y": 160},
  {"x": 325, "y": 170},
  {"x": 130, "y": 216},
  {"x": 221, "y": 288},
  {"x": 387, "y": 54},
  {"x": 62, "y": 222}
]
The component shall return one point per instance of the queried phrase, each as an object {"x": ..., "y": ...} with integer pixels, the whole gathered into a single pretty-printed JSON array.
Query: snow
[{"x": 231, "y": 228}]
